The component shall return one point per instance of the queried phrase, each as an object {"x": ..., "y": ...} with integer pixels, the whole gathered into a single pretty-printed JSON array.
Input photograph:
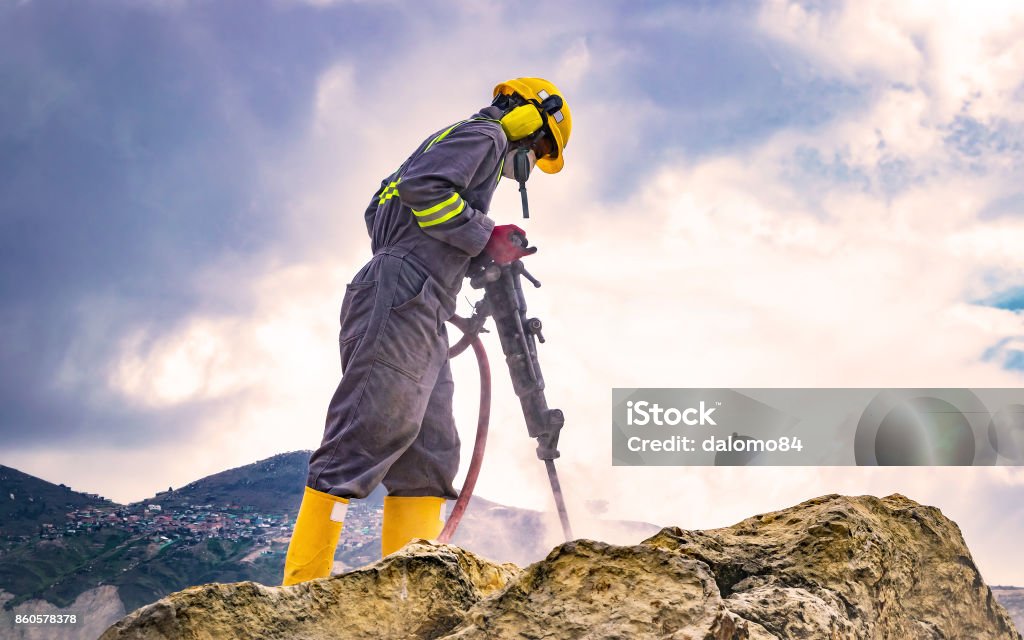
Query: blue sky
[{"x": 755, "y": 194}]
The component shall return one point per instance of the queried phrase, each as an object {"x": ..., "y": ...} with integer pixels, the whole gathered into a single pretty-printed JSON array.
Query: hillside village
[
  {"x": 250, "y": 510},
  {"x": 196, "y": 523}
]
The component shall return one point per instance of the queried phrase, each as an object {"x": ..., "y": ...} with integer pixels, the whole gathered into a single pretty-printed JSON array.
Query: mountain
[
  {"x": 233, "y": 525},
  {"x": 27, "y": 503},
  {"x": 271, "y": 485}
]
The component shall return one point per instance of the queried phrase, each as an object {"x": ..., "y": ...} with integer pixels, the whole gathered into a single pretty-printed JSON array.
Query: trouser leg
[
  {"x": 392, "y": 350},
  {"x": 428, "y": 466},
  {"x": 420, "y": 480}
]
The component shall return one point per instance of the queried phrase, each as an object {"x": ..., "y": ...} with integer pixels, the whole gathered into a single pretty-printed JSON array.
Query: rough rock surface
[
  {"x": 833, "y": 567},
  {"x": 420, "y": 592}
]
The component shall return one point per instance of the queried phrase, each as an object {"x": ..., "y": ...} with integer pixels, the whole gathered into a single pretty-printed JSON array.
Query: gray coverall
[{"x": 390, "y": 420}]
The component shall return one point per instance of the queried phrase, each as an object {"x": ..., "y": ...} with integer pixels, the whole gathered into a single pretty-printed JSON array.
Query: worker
[{"x": 390, "y": 419}]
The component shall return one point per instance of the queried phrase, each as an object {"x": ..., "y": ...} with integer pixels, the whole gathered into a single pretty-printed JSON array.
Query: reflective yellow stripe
[
  {"x": 389, "y": 191},
  {"x": 446, "y": 217},
  {"x": 437, "y": 207},
  {"x": 441, "y": 212},
  {"x": 443, "y": 135}
]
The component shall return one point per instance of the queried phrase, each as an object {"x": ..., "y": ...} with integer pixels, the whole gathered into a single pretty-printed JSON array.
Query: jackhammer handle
[
  {"x": 526, "y": 274},
  {"x": 519, "y": 240}
]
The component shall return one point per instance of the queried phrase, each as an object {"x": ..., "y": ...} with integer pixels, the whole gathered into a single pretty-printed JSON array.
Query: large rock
[
  {"x": 421, "y": 592},
  {"x": 833, "y": 567}
]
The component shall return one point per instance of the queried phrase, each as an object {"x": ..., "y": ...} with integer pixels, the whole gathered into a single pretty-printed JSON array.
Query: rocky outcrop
[
  {"x": 834, "y": 567},
  {"x": 421, "y": 592}
]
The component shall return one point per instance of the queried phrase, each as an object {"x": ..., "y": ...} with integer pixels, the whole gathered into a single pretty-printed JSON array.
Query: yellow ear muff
[{"x": 521, "y": 122}]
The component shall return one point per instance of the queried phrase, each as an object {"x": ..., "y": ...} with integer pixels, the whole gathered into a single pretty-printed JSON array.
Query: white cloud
[
  {"x": 575, "y": 63},
  {"x": 960, "y": 54},
  {"x": 189, "y": 366}
]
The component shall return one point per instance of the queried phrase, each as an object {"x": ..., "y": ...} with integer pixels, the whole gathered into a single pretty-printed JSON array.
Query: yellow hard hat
[{"x": 559, "y": 122}]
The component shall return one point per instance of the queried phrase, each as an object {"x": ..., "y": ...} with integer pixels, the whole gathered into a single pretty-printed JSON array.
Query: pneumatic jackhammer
[{"x": 504, "y": 301}]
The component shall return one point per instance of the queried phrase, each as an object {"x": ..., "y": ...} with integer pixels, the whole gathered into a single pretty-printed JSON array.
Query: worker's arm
[{"x": 431, "y": 185}]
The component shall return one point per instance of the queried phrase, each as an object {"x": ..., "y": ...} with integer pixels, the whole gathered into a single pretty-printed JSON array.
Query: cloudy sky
[{"x": 755, "y": 195}]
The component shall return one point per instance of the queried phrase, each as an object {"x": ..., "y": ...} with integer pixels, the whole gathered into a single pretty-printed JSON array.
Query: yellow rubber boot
[
  {"x": 407, "y": 518},
  {"x": 315, "y": 538}
]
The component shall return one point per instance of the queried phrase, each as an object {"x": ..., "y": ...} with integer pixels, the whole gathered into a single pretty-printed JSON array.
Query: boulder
[
  {"x": 423, "y": 591},
  {"x": 832, "y": 567}
]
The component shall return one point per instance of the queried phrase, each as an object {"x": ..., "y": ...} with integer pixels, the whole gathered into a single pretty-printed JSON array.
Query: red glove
[{"x": 507, "y": 244}]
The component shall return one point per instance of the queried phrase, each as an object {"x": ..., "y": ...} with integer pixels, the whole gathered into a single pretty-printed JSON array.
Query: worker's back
[{"x": 433, "y": 205}]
